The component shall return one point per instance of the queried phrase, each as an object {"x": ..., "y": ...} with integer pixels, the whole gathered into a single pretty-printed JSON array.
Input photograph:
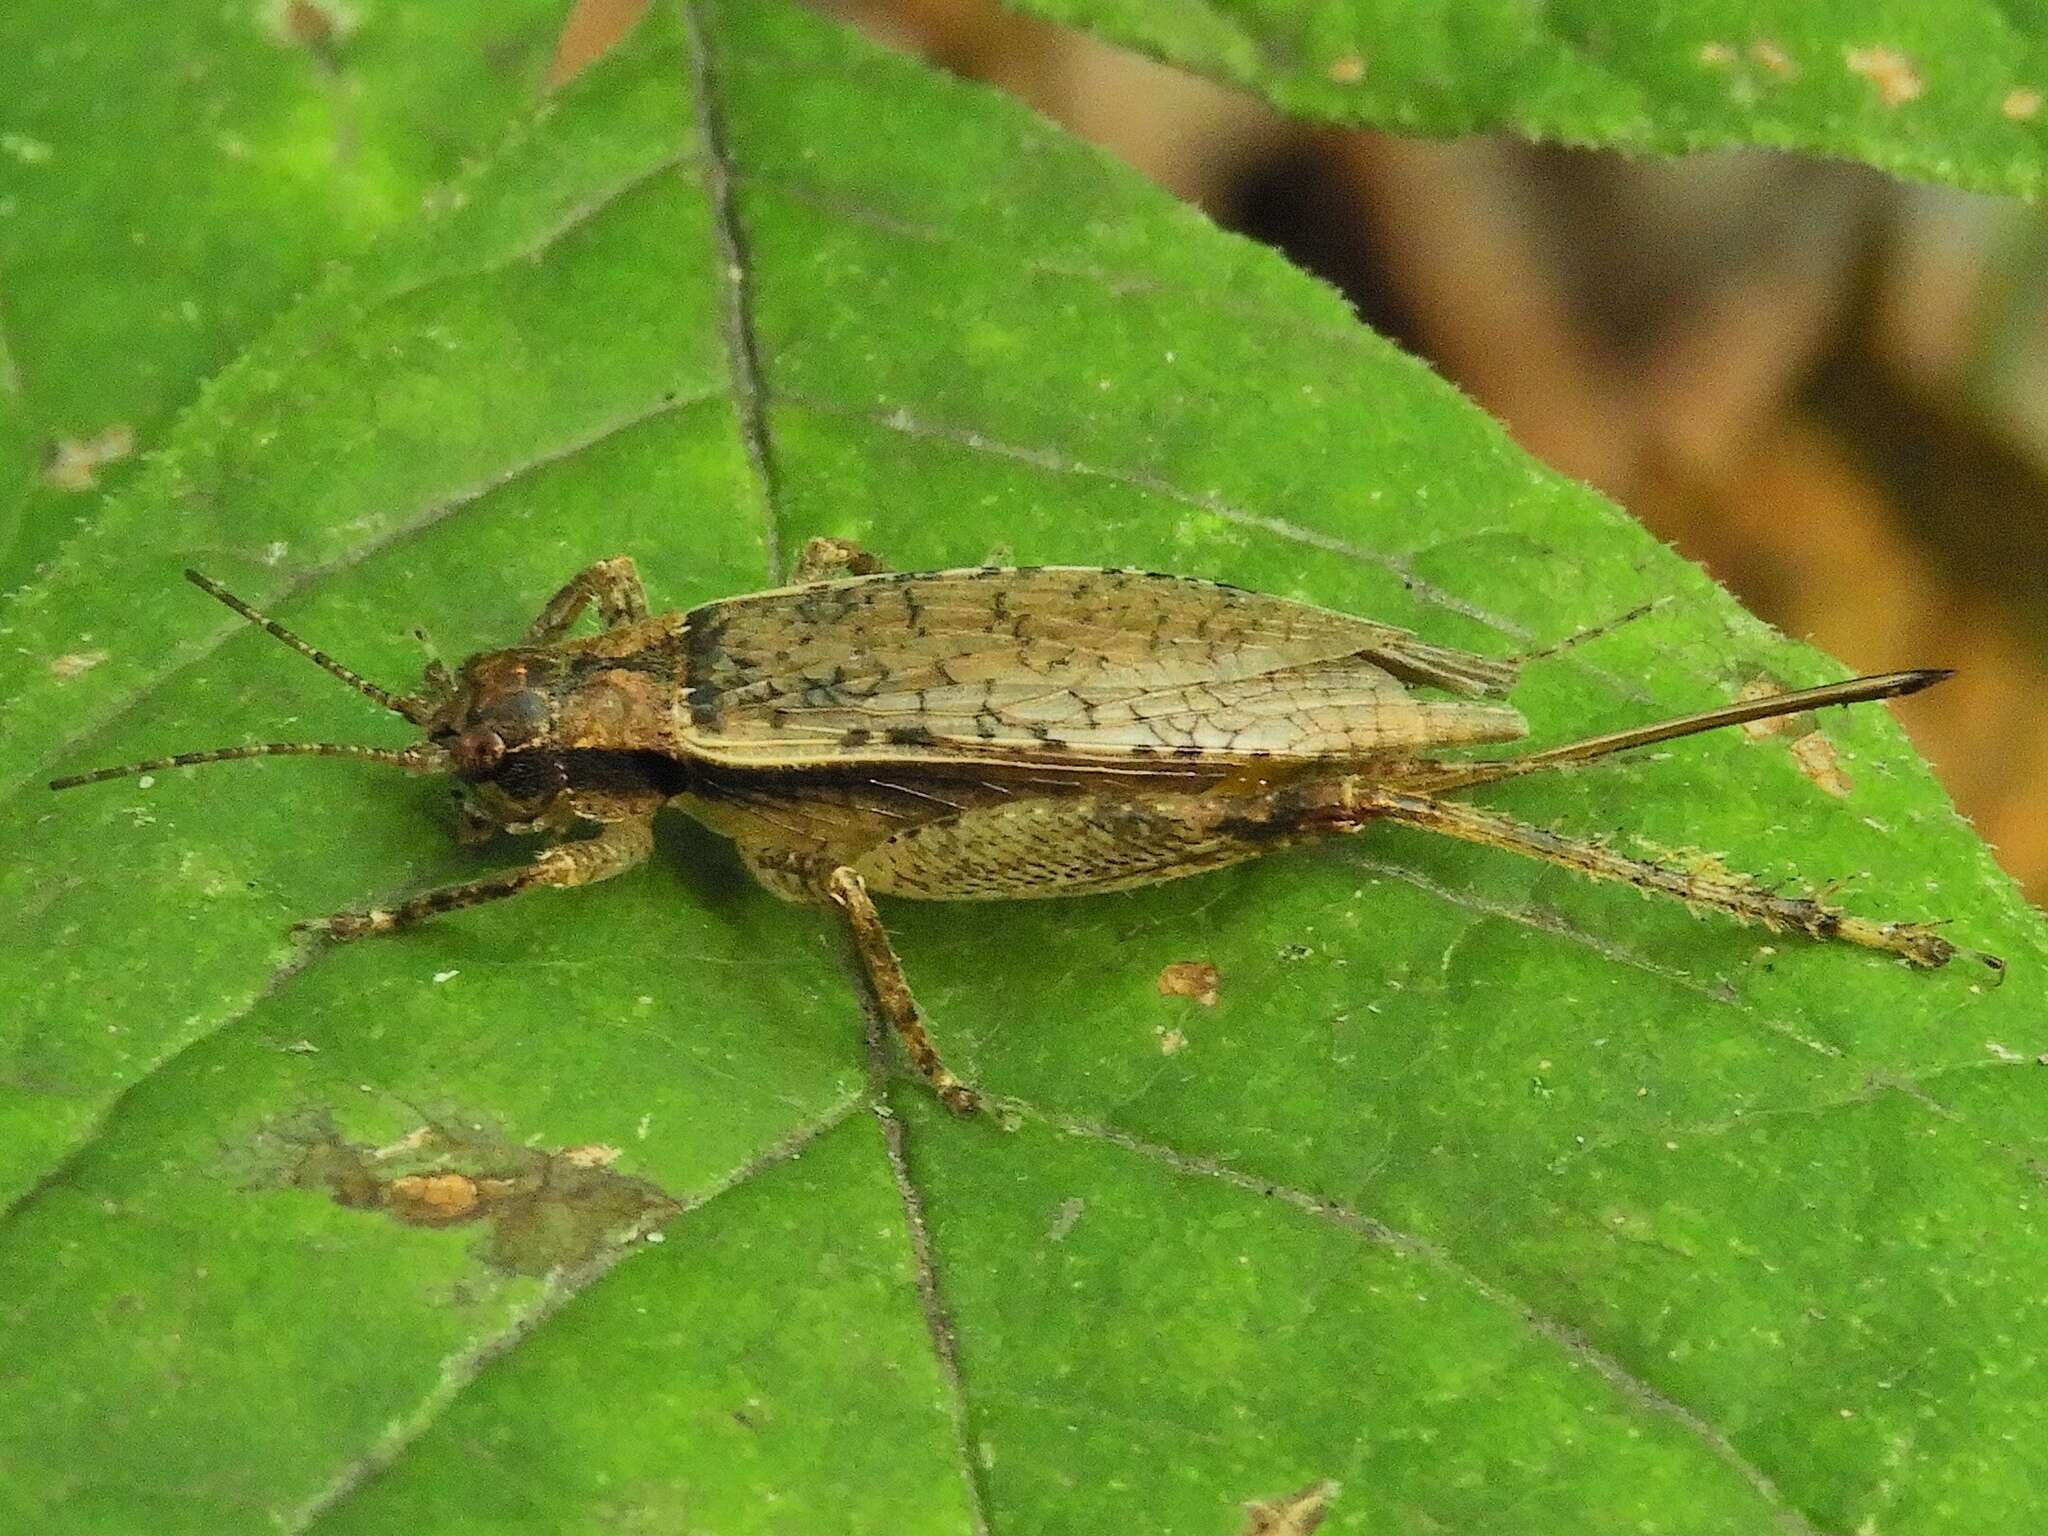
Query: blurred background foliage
[{"x": 1828, "y": 387}]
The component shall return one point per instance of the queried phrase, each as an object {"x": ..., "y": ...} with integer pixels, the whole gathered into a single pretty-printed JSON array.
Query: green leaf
[
  {"x": 1953, "y": 93},
  {"x": 166, "y": 188},
  {"x": 1500, "y": 1200}
]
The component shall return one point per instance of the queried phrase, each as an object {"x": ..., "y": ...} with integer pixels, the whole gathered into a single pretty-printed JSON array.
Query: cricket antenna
[
  {"x": 1591, "y": 632},
  {"x": 423, "y": 757},
  {"x": 1857, "y": 690},
  {"x": 406, "y": 706}
]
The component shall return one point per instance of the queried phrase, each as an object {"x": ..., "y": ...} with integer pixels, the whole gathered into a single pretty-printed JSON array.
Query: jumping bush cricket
[{"x": 990, "y": 733}]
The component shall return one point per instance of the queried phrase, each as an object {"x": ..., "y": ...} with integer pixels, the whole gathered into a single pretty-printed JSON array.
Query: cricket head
[
  {"x": 490, "y": 725},
  {"x": 495, "y": 725}
]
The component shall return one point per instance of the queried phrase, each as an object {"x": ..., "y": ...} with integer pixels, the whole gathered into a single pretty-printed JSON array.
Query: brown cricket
[{"x": 990, "y": 733}]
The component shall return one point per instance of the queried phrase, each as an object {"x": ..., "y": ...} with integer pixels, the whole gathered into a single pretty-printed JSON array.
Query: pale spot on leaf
[
  {"x": 72, "y": 463},
  {"x": 1894, "y": 75},
  {"x": 1291, "y": 1514},
  {"x": 76, "y": 664}
]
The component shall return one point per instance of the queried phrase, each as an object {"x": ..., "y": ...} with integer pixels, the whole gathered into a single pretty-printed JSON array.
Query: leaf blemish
[
  {"x": 73, "y": 463},
  {"x": 1811, "y": 750},
  {"x": 1767, "y": 55},
  {"x": 1064, "y": 1215},
  {"x": 1195, "y": 979},
  {"x": 76, "y": 664},
  {"x": 543, "y": 1210},
  {"x": 1291, "y": 1514},
  {"x": 1894, "y": 75}
]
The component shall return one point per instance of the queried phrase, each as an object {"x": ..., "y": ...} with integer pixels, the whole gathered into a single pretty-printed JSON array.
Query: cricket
[{"x": 991, "y": 733}]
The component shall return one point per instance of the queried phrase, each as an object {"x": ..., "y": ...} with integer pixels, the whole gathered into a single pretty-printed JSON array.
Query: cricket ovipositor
[{"x": 991, "y": 733}]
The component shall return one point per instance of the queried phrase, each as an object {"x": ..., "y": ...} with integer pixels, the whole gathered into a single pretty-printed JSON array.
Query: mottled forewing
[{"x": 1069, "y": 665}]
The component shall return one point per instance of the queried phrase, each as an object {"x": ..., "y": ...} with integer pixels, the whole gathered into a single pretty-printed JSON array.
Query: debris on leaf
[
  {"x": 1191, "y": 978},
  {"x": 1292, "y": 1514}
]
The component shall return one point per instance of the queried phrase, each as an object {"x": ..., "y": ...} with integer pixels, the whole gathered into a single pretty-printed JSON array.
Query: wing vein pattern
[{"x": 1075, "y": 666}]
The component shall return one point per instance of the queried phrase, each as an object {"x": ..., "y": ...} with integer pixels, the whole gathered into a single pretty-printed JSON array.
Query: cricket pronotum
[{"x": 990, "y": 733}]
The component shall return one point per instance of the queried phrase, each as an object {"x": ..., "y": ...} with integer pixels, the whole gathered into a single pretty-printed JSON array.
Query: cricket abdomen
[{"x": 1063, "y": 847}]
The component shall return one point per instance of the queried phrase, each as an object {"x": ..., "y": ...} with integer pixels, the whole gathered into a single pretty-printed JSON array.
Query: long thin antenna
[
  {"x": 406, "y": 706},
  {"x": 1857, "y": 690},
  {"x": 1591, "y": 632},
  {"x": 423, "y": 758}
]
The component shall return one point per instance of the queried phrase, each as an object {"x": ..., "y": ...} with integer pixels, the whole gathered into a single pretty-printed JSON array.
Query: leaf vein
[
  {"x": 461, "y": 1371},
  {"x": 1569, "y": 1340},
  {"x": 734, "y": 280},
  {"x": 1056, "y": 462},
  {"x": 938, "y": 1322},
  {"x": 399, "y": 532}
]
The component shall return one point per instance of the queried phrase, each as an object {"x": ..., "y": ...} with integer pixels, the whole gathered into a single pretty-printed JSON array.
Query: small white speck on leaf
[{"x": 441, "y": 976}]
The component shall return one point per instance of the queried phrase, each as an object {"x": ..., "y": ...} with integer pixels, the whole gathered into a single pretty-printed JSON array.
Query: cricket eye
[
  {"x": 522, "y": 716},
  {"x": 477, "y": 751}
]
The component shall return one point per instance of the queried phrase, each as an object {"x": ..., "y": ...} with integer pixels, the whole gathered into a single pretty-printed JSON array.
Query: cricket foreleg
[
  {"x": 849, "y": 893},
  {"x": 1734, "y": 894},
  {"x": 614, "y": 583},
  {"x": 617, "y": 848}
]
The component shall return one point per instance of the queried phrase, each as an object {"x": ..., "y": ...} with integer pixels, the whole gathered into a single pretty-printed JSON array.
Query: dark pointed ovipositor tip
[{"x": 1924, "y": 677}]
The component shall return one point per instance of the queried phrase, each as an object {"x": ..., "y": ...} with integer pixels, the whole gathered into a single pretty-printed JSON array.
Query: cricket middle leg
[
  {"x": 847, "y": 891},
  {"x": 1734, "y": 894},
  {"x": 617, "y": 848}
]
